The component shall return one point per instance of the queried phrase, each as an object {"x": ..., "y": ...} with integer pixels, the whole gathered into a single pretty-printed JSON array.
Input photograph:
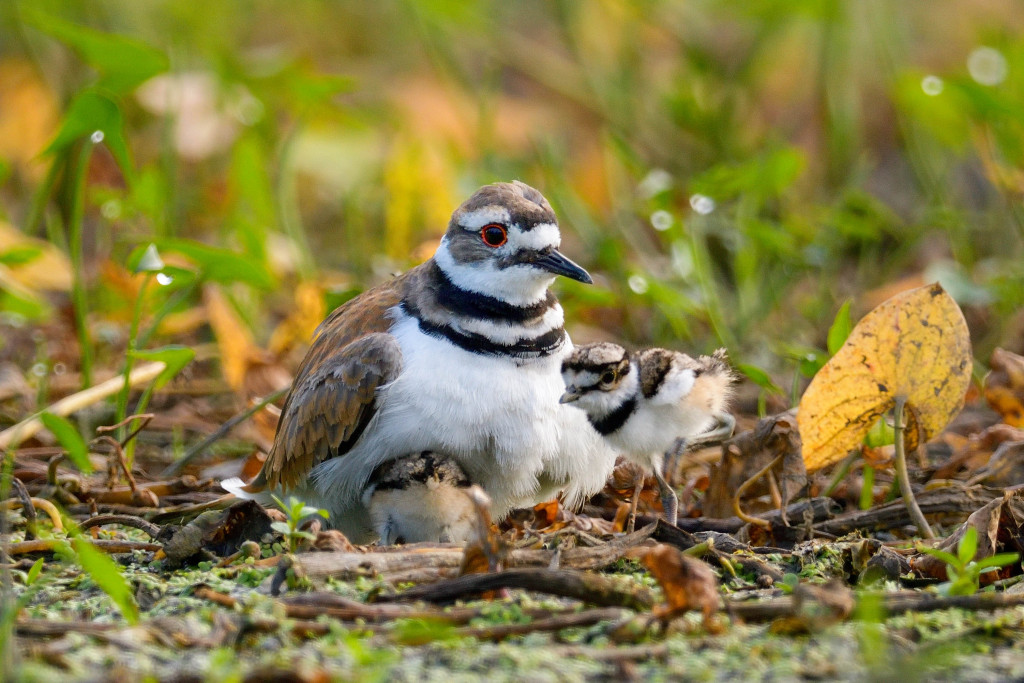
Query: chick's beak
[{"x": 571, "y": 394}]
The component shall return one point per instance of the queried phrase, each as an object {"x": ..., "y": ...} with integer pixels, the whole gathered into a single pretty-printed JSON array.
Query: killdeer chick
[
  {"x": 420, "y": 498},
  {"x": 648, "y": 402},
  {"x": 460, "y": 356}
]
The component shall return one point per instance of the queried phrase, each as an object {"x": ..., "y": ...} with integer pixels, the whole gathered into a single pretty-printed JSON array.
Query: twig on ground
[
  {"x": 553, "y": 623},
  {"x": 892, "y": 604},
  {"x": 955, "y": 500},
  {"x": 38, "y": 504},
  {"x": 27, "y": 507},
  {"x": 49, "y": 545},
  {"x": 591, "y": 588},
  {"x": 124, "y": 520},
  {"x": 430, "y": 562}
]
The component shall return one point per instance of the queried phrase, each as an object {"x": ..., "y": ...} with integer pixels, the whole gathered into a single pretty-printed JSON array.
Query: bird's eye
[
  {"x": 608, "y": 377},
  {"x": 494, "y": 235}
]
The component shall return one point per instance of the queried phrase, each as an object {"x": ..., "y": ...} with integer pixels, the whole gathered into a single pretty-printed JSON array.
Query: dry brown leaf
[
  {"x": 915, "y": 345},
  {"x": 749, "y": 452},
  {"x": 687, "y": 583},
  {"x": 998, "y": 525},
  {"x": 1004, "y": 386}
]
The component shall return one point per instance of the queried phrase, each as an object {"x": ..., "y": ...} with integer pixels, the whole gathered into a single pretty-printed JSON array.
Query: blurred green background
[{"x": 731, "y": 173}]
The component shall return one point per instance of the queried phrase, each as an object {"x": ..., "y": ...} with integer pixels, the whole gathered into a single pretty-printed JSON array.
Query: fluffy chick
[
  {"x": 648, "y": 402},
  {"x": 420, "y": 498}
]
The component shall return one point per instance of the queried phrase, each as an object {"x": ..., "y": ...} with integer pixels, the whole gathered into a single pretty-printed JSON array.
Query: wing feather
[{"x": 333, "y": 396}]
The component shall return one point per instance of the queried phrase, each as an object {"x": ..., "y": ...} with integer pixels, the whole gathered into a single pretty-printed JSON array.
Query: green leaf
[
  {"x": 968, "y": 546},
  {"x": 840, "y": 330},
  {"x": 307, "y": 510},
  {"x": 17, "y": 301},
  {"x": 221, "y": 265},
  {"x": 948, "y": 558},
  {"x": 33, "y": 572},
  {"x": 176, "y": 357},
  {"x": 19, "y": 256},
  {"x": 998, "y": 560},
  {"x": 281, "y": 528},
  {"x": 108, "y": 577},
  {"x": 758, "y": 377},
  {"x": 89, "y": 112},
  {"x": 123, "y": 63},
  {"x": 422, "y": 631},
  {"x": 68, "y": 437},
  {"x": 880, "y": 434}
]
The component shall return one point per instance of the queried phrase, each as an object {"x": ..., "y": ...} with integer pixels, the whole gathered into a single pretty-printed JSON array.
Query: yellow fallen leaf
[
  {"x": 915, "y": 345},
  {"x": 28, "y": 118},
  {"x": 298, "y": 327},
  {"x": 234, "y": 339},
  {"x": 47, "y": 270}
]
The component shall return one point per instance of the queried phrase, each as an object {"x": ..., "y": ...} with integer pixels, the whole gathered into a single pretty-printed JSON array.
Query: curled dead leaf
[
  {"x": 687, "y": 583},
  {"x": 751, "y": 451},
  {"x": 1004, "y": 386},
  {"x": 915, "y": 345}
]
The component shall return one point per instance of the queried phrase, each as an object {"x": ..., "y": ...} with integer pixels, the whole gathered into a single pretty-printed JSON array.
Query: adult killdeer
[
  {"x": 461, "y": 356},
  {"x": 418, "y": 498},
  {"x": 648, "y": 402}
]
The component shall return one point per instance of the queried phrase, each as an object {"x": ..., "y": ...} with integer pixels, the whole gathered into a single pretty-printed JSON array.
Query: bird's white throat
[{"x": 521, "y": 285}]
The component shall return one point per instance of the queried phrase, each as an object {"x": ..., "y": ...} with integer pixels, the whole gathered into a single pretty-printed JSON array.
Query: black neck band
[
  {"x": 535, "y": 347},
  {"x": 480, "y": 306},
  {"x": 614, "y": 420}
]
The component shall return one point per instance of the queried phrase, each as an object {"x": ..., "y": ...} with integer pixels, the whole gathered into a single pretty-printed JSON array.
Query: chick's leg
[{"x": 669, "y": 499}]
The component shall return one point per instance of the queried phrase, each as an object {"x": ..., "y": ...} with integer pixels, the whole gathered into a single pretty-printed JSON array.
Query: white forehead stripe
[
  {"x": 474, "y": 220},
  {"x": 541, "y": 236}
]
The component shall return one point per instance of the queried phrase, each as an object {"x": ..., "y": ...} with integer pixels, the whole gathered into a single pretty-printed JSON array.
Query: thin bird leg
[
  {"x": 672, "y": 456},
  {"x": 638, "y": 486},
  {"x": 669, "y": 499}
]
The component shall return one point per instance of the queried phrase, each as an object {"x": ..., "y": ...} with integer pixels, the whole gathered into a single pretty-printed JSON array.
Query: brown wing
[{"x": 333, "y": 395}]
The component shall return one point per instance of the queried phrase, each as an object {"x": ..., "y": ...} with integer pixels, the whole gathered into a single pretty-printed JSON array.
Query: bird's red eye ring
[{"x": 494, "y": 235}]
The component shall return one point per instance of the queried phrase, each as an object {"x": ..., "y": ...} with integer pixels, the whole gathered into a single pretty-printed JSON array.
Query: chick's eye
[
  {"x": 494, "y": 235},
  {"x": 608, "y": 377}
]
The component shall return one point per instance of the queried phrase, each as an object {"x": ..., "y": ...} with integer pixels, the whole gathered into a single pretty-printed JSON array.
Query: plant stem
[
  {"x": 901, "y": 472},
  {"x": 129, "y": 362},
  {"x": 78, "y": 289},
  {"x": 168, "y": 306},
  {"x": 867, "y": 489}
]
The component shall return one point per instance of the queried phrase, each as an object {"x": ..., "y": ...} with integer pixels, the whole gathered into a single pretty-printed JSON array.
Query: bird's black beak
[{"x": 556, "y": 262}]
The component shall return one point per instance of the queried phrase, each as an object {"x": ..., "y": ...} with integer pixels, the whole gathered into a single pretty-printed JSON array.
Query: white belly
[
  {"x": 654, "y": 428},
  {"x": 501, "y": 421}
]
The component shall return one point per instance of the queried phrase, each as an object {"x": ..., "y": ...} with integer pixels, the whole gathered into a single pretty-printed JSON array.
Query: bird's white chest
[{"x": 500, "y": 419}]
